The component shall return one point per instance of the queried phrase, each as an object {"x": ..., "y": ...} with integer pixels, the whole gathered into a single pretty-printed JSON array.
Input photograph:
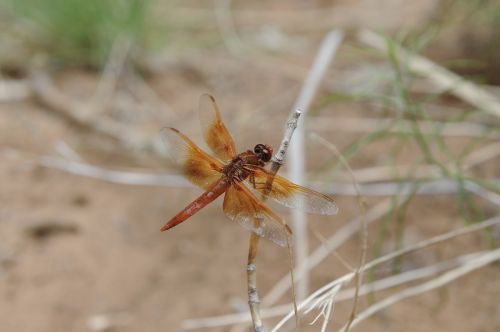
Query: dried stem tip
[{"x": 291, "y": 124}]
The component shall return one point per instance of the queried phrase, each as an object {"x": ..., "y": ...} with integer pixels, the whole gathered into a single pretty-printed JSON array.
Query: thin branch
[
  {"x": 12, "y": 90},
  {"x": 356, "y": 125},
  {"x": 320, "y": 64},
  {"x": 113, "y": 69},
  {"x": 141, "y": 89},
  {"x": 441, "y": 77},
  {"x": 426, "y": 243},
  {"x": 420, "y": 245},
  {"x": 472, "y": 265},
  {"x": 296, "y": 170},
  {"x": 340, "y": 237},
  {"x": 121, "y": 177},
  {"x": 66, "y": 151},
  {"x": 358, "y": 276},
  {"x": 482, "y": 155},
  {"x": 134, "y": 178},
  {"x": 405, "y": 277},
  {"x": 277, "y": 161},
  {"x": 434, "y": 187},
  {"x": 394, "y": 173},
  {"x": 347, "y": 294},
  {"x": 338, "y": 283},
  {"x": 226, "y": 26},
  {"x": 488, "y": 195},
  {"x": 253, "y": 295},
  {"x": 291, "y": 125},
  {"x": 434, "y": 240},
  {"x": 80, "y": 114}
]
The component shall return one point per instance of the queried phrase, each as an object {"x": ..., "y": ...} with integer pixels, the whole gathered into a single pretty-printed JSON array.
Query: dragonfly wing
[
  {"x": 292, "y": 195},
  {"x": 196, "y": 165},
  {"x": 214, "y": 131},
  {"x": 243, "y": 207}
]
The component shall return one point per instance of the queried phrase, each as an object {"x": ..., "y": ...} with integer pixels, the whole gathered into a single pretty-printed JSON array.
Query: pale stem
[
  {"x": 441, "y": 78},
  {"x": 296, "y": 169},
  {"x": 277, "y": 161},
  {"x": 320, "y": 65},
  {"x": 253, "y": 296},
  {"x": 377, "y": 285},
  {"x": 472, "y": 265}
]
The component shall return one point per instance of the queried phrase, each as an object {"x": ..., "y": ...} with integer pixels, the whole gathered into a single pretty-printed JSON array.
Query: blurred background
[{"x": 411, "y": 100}]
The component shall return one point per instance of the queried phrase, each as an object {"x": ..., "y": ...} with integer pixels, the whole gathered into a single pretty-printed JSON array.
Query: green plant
[
  {"x": 416, "y": 121},
  {"x": 80, "y": 32}
]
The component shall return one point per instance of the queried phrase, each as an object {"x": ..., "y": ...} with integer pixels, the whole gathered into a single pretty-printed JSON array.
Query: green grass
[
  {"x": 400, "y": 104},
  {"x": 80, "y": 32}
]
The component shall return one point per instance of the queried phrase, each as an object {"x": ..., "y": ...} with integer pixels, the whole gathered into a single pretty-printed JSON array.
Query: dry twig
[
  {"x": 446, "y": 129},
  {"x": 324, "y": 291},
  {"x": 326, "y": 53},
  {"x": 320, "y": 65},
  {"x": 12, "y": 90},
  {"x": 358, "y": 274},
  {"x": 277, "y": 161},
  {"x": 114, "y": 176},
  {"x": 471, "y": 265},
  {"x": 112, "y": 71},
  {"x": 74, "y": 166},
  {"x": 377, "y": 285},
  {"x": 442, "y": 78}
]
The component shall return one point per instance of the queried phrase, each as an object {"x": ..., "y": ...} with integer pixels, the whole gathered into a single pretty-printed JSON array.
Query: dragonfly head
[{"x": 264, "y": 152}]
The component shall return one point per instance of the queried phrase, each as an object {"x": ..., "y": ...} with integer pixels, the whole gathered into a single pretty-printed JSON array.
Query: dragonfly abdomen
[{"x": 214, "y": 191}]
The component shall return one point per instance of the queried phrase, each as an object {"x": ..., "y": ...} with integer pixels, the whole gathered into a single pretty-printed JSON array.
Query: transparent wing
[
  {"x": 242, "y": 206},
  {"x": 292, "y": 195},
  {"x": 214, "y": 131},
  {"x": 196, "y": 165}
]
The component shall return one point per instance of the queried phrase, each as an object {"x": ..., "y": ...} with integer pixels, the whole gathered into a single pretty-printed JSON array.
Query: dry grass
[{"x": 414, "y": 132}]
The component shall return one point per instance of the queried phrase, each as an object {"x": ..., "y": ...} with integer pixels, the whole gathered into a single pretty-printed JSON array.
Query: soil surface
[{"x": 78, "y": 253}]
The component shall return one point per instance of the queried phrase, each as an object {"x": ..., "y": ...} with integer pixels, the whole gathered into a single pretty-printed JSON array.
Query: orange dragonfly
[{"x": 233, "y": 175}]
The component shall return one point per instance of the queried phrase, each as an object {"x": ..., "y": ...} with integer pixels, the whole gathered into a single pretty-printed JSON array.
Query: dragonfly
[{"x": 241, "y": 177}]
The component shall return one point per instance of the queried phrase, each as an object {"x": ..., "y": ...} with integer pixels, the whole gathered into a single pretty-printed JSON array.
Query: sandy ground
[{"x": 73, "y": 249}]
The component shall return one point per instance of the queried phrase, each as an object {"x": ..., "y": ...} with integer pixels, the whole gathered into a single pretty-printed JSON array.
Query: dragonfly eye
[{"x": 264, "y": 152}]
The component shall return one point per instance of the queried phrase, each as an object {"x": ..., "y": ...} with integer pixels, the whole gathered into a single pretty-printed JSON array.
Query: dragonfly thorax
[{"x": 242, "y": 165}]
